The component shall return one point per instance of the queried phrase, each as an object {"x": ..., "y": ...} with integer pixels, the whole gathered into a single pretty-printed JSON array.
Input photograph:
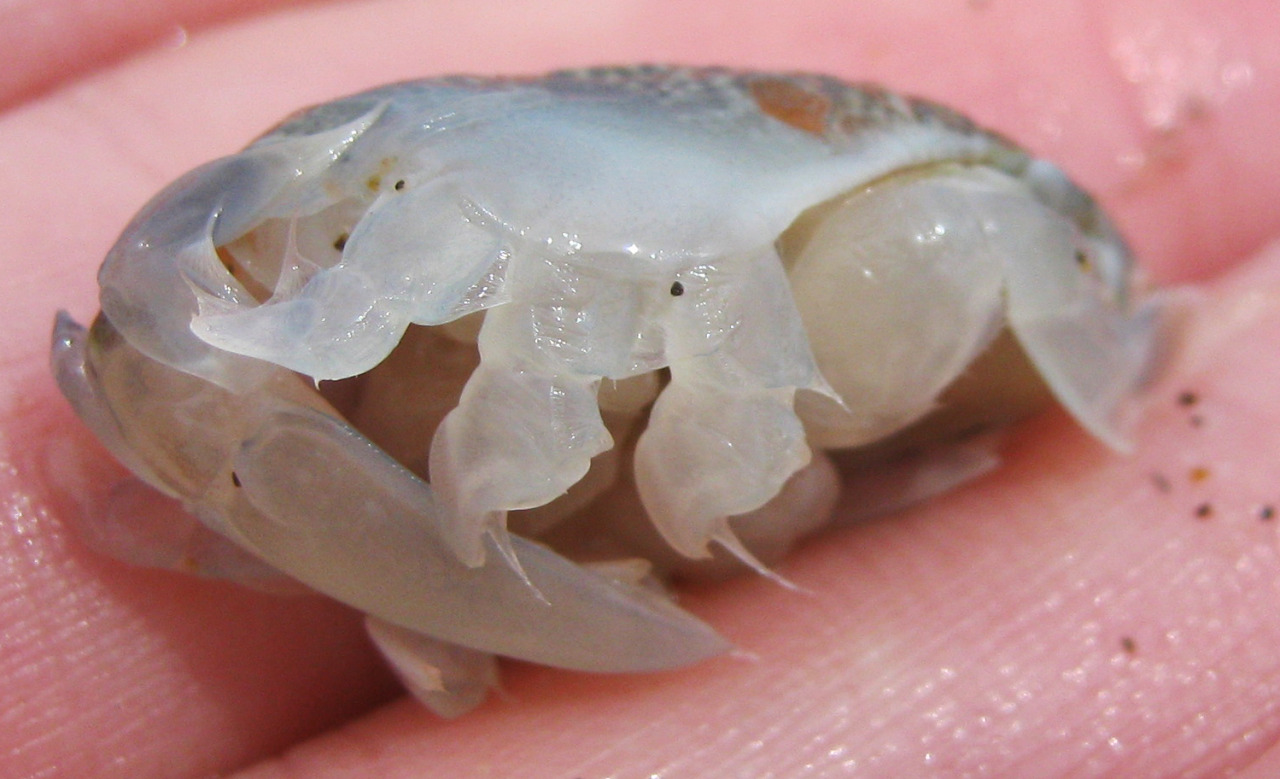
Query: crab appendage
[
  {"x": 154, "y": 276},
  {"x": 1092, "y": 344},
  {"x": 337, "y": 327},
  {"x": 412, "y": 258},
  {"x": 708, "y": 454},
  {"x": 518, "y": 438},
  {"x": 448, "y": 679},
  {"x": 338, "y": 514},
  {"x": 723, "y": 437}
]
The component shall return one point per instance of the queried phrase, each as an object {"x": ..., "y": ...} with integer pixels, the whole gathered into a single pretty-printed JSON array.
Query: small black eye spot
[
  {"x": 677, "y": 289},
  {"x": 235, "y": 479},
  {"x": 399, "y": 185}
]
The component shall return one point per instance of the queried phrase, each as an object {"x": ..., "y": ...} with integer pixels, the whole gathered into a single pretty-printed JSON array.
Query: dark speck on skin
[
  {"x": 1128, "y": 645},
  {"x": 1188, "y": 399},
  {"x": 1161, "y": 483},
  {"x": 1267, "y": 513},
  {"x": 1204, "y": 511}
]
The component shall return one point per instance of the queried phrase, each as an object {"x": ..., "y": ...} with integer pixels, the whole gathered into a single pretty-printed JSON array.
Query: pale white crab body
[{"x": 764, "y": 262}]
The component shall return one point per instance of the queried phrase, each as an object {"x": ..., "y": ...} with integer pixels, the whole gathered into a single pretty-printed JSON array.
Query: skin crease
[{"x": 1078, "y": 613}]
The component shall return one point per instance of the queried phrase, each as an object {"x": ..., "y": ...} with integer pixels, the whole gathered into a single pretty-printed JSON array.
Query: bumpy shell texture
[{"x": 491, "y": 359}]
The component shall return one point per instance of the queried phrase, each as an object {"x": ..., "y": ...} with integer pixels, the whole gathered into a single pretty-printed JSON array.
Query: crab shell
[{"x": 754, "y": 263}]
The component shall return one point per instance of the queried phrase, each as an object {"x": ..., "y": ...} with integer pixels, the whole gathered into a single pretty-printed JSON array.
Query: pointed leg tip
[{"x": 727, "y": 539}]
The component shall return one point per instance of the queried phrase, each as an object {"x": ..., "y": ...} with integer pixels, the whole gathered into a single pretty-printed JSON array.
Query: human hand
[{"x": 1072, "y": 614}]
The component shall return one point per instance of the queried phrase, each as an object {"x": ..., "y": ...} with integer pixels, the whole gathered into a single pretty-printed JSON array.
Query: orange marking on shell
[{"x": 792, "y": 104}]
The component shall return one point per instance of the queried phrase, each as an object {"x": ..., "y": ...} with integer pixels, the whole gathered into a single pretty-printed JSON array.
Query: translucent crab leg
[
  {"x": 708, "y": 455},
  {"x": 449, "y": 679},
  {"x": 131, "y": 521},
  {"x": 723, "y": 437},
  {"x": 519, "y": 438},
  {"x": 1069, "y": 308},
  {"x": 164, "y": 266},
  {"x": 346, "y": 519},
  {"x": 412, "y": 257}
]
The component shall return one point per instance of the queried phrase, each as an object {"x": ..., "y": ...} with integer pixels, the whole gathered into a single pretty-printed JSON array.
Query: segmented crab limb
[
  {"x": 708, "y": 454},
  {"x": 71, "y": 370},
  {"x": 337, "y": 327},
  {"x": 890, "y": 356},
  {"x": 917, "y": 476},
  {"x": 723, "y": 437},
  {"x": 448, "y": 679},
  {"x": 165, "y": 258},
  {"x": 517, "y": 439},
  {"x": 347, "y": 520},
  {"x": 1092, "y": 346},
  {"x": 314, "y": 498},
  {"x": 801, "y": 507},
  {"x": 412, "y": 257},
  {"x": 133, "y": 523},
  {"x": 428, "y": 249},
  {"x": 736, "y": 324}
]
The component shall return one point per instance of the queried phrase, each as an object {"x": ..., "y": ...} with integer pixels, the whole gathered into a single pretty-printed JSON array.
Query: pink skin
[{"x": 1069, "y": 615}]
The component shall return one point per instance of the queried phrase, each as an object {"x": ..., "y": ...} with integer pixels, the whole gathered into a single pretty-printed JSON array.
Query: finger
[{"x": 50, "y": 42}]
